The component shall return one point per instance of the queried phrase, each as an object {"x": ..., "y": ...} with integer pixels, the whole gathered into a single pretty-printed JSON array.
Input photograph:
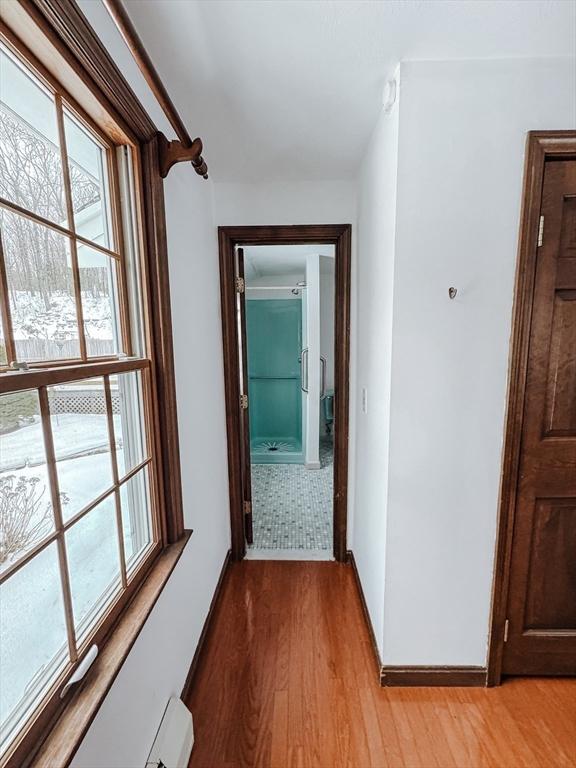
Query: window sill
[{"x": 61, "y": 743}]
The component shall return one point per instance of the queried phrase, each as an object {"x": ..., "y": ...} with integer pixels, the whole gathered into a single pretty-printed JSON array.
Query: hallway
[{"x": 287, "y": 678}]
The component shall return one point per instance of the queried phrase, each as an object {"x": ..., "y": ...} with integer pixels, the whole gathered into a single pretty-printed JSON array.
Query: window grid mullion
[
  {"x": 30, "y": 555},
  {"x": 9, "y": 205},
  {"x": 5, "y": 309},
  {"x": 58, "y": 522},
  {"x": 114, "y": 458},
  {"x": 70, "y": 214}
]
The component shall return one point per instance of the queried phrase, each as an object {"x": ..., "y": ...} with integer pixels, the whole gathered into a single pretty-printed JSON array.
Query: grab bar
[
  {"x": 304, "y": 357},
  {"x": 323, "y": 368}
]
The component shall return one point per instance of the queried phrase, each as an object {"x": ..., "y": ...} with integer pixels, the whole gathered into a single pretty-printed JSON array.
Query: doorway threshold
[{"x": 261, "y": 553}]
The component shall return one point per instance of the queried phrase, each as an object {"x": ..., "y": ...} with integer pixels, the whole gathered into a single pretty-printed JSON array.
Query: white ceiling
[
  {"x": 291, "y": 89},
  {"x": 273, "y": 260}
]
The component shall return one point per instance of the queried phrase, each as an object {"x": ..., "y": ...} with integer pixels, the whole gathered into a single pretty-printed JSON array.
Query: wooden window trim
[
  {"x": 65, "y": 103},
  {"x": 540, "y": 147},
  {"x": 60, "y": 27},
  {"x": 66, "y": 728},
  {"x": 68, "y": 33}
]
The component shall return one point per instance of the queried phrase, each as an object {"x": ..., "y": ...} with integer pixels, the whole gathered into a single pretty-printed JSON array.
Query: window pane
[
  {"x": 136, "y": 524},
  {"x": 88, "y": 179},
  {"x": 25, "y": 501},
  {"x": 40, "y": 288},
  {"x": 93, "y": 564},
  {"x": 33, "y": 644},
  {"x": 98, "y": 286},
  {"x": 81, "y": 442},
  {"x": 129, "y": 432},
  {"x": 30, "y": 161}
]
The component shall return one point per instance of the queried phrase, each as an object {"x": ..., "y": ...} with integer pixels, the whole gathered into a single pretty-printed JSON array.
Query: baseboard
[
  {"x": 418, "y": 675},
  {"x": 375, "y": 651},
  {"x": 205, "y": 629},
  {"x": 433, "y": 676}
]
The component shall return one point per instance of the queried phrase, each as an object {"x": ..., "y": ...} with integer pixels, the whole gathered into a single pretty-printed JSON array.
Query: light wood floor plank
[{"x": 287, "y": 680}]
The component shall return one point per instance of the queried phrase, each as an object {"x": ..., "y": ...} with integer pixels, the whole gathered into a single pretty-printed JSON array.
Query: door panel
[
  {"x": 274, "y": 347},
  {"x": 245, "y": 418},
  {"x": 550, "y": 597},
  {"x": 560, "y": 400},
  {"x": 542, "y": 595}
]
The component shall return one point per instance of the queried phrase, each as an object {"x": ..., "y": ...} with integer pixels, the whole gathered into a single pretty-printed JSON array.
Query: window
[{"x": 79, "y": 509}]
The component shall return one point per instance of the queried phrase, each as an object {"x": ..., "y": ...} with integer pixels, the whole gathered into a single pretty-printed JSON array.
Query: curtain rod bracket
[{"x": 172, "y": 152}]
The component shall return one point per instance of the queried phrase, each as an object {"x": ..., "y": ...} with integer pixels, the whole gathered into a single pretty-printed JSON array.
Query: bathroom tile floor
[{"x": 292, "y": 505}]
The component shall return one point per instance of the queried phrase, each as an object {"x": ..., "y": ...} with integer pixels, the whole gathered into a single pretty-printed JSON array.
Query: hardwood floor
[{"x": 288, "y": 679}]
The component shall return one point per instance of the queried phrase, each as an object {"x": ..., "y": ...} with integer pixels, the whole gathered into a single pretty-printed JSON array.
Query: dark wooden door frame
[
  {"x": 340, "y": 236},
  {"x": 540, "y": 147}
]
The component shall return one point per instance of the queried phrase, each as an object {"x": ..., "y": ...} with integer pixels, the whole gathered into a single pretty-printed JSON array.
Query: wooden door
[
  {"x": 244, "y": 404},
  {"x": 540, "y": 637}
]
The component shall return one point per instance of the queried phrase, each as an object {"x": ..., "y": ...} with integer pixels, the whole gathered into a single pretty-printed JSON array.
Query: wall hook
[{"x": 452, "y": 292}]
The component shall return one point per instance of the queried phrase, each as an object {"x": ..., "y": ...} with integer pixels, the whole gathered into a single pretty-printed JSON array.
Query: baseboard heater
[{"x": 175, "y": 738}]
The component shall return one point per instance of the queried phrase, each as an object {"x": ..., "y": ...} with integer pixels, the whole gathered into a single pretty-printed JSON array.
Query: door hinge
[
  {"x": 506, "y": 627},
  {"x": 244, "y": 402},
  {"x": 247, "y": 507},
  {"x": 240, "y": 286},
  {"x": 541, "y": 231}
]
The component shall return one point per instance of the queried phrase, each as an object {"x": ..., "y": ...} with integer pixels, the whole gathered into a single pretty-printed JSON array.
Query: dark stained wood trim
[
  {"x": 231, "y": 392},
  {"x": 71, "y": 725},
  {"x": 540, "y": 145},
  {"x": 68, "y": 28},
  {"x": 389, "y": 676},
  {"x": 341, "y": 390},
  {"x": 433, "y": 676},
  {"x": 206, "y": 628},
  {"x": 154, "y": 221},
  {"x": 340, "y": 235},
  {"x": 375, "y": 652}
]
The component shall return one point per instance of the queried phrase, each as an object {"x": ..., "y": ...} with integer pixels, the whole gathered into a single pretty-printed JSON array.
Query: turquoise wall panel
[{"x": 274, "y": 330}]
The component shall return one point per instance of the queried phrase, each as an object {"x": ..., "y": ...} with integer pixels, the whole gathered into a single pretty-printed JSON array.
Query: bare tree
[{"x": 31, "y": 175}]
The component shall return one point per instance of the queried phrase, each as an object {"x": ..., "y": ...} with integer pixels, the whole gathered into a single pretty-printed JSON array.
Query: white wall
[
  {"x": 327, "y": 287},
  {"x": 141, "y": 691},
  {"x": 375, "y": 283},
  {"x": 307, "y": 202},
  {"x": 311, "y": 342},
  {"x": 461, "y": 146},
  {"x": 124, "y": 728}
]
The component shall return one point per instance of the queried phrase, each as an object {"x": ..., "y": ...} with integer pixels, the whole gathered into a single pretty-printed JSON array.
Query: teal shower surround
[{"x": 274, "y": 331}]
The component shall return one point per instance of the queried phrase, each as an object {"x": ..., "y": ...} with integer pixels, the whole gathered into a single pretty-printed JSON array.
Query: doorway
[
  {"x": 534, "y": 612},
  {"x": 285, "y": 295}
]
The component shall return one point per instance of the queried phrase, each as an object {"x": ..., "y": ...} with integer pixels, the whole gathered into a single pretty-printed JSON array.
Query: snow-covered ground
[
  {"x": 32, "y": 625},
  {"x": 31, "y": 612},
  {"x": 82, "y": 453},
  {"x": 31, "y": 319}
]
